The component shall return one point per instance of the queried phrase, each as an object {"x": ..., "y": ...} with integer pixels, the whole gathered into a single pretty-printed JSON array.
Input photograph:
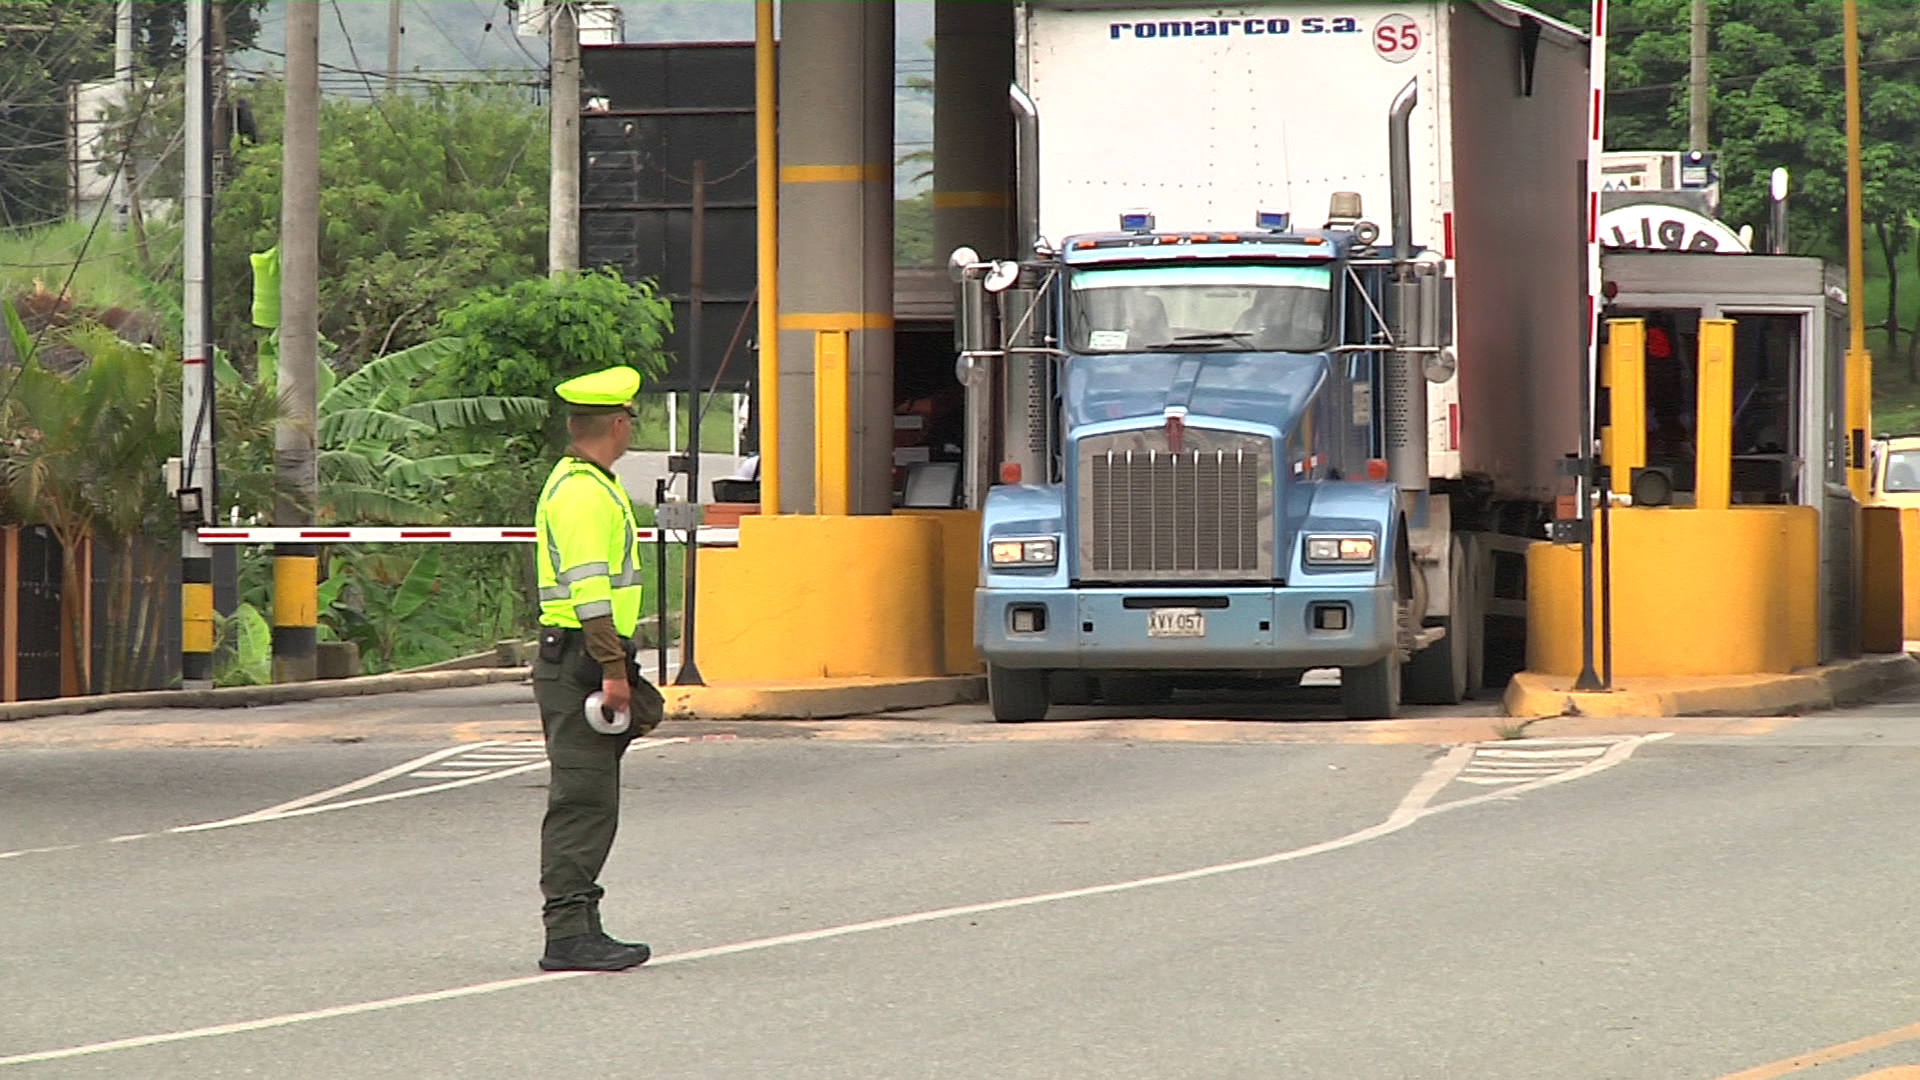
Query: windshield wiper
[{"x": 1207, "y": 337}]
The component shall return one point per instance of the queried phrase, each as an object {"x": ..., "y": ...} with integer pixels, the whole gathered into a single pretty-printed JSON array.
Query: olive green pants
[{"x": 583, "y": 790}]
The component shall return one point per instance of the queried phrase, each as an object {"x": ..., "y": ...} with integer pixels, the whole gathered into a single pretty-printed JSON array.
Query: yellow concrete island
[
  {"x": 809, "y": 597},
  {"x": 1695, "y": 592}
]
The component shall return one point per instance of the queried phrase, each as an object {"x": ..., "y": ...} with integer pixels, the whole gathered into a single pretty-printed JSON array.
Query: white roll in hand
[{"x": 598, "y": 716}]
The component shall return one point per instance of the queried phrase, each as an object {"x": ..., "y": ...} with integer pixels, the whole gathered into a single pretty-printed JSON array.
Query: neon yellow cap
[{"x": 609, "y": 388}]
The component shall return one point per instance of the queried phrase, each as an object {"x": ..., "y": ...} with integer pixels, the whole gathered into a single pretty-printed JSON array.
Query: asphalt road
[{"x": 345, "y": 889}]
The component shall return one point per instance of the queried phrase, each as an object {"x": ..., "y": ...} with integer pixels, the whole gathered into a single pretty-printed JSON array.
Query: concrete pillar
[
  {"x": 836, "y": 238},
  {"x": 972, "y": 128}
]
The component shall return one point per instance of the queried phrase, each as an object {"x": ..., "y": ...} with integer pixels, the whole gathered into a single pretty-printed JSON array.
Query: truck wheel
[
  {"x": 1445, "y": 673},
  {"x": 1017, "y": 695},
  {"x": 1371, "y": 692}
]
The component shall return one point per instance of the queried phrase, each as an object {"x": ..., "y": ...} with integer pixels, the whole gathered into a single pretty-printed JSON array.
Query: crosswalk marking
[{"x": 1505, "y": 763}]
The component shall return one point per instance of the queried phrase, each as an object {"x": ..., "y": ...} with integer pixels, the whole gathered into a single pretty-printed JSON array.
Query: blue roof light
[
  {"x": 1136, "y": 221},
  {"x": 1273, "y": 220}
]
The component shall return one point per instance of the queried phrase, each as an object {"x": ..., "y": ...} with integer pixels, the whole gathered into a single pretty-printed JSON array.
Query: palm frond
[
  {"x": 380, "y": 378},
  {"x": 419, "y": 472},
  {"x": 348, "y": 425},
  {"x": 452, "y": 414},
  {"x": 356, "y": 502}
]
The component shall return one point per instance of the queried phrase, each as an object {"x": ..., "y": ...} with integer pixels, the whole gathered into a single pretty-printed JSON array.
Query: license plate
[{"x": 1176, "y": 622}]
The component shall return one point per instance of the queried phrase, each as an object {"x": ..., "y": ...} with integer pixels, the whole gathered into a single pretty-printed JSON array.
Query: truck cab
[{"x": 1212, "y": 498}]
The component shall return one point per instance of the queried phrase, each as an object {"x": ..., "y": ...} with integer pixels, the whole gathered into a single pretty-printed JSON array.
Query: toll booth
[{"x": 1789, "y": 433}]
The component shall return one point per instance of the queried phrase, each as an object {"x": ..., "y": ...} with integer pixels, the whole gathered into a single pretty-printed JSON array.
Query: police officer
[{"x": 589, "y": 575}]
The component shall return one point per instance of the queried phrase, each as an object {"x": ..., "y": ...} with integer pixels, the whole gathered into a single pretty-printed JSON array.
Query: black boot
[
  {"x": 594, "y": 927},
  {"x": 592, "y": 952}
]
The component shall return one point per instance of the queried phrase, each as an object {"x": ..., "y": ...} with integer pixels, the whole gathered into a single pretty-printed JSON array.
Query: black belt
[{"x": 573, "y": 635}]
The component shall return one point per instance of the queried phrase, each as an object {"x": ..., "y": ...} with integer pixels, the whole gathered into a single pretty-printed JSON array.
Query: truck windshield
[{"x": 1247, "y": 308}]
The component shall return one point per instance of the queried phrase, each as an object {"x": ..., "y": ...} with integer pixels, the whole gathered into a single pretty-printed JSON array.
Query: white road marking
[
  {"x": 1415, "y": 806},
  {"x": 527, "y": 758},
  {"x": 304, "y": 806}
]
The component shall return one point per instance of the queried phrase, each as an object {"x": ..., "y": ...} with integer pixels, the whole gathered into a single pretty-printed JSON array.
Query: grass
[
  {"x": 108, "y": 276},
  {"x": 716, "y": 428}
]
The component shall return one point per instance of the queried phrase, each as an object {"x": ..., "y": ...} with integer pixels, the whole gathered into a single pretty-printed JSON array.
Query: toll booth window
[
  {"x": 1766, "y": 406},
  {"x": 1903, "y": 472},
  {"x": 1200, "y": 308}
]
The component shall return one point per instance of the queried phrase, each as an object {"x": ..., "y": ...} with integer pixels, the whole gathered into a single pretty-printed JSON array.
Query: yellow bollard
[
  {"x": 1623, "y": 446},
  {"x": 832, "y": 423},
  {"x": 1713, "y": 432}
]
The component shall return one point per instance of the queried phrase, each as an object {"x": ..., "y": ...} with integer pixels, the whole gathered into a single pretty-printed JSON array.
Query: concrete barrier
[{"x": 1532, "y": 695}]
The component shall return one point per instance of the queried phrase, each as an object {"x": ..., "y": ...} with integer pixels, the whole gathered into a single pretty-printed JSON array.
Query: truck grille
[{"x": 1204, "y": 512}]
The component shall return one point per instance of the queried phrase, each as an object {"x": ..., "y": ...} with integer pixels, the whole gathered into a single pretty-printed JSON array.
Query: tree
[
  {"x": 1778, "y": 99},
  {"x": 382, "y": 439},
  {"x": 424, "y": 199}
]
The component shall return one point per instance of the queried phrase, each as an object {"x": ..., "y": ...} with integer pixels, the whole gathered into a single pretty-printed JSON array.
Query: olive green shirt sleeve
[{"x": 603, "y": 644}]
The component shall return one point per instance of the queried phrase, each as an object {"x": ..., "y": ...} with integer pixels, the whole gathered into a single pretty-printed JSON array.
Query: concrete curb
[
  {"x": 1531, "y": 696},
  {"x": 240, "y": 697},
  {"x": 819, "y": 699}
]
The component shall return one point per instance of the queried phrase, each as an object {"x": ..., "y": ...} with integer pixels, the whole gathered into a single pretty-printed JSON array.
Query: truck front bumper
[{"x": 1247, "y": 628}]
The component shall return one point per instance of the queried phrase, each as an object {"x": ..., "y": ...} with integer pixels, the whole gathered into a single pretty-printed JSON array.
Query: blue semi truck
[{"x": 1224, "y": 425}]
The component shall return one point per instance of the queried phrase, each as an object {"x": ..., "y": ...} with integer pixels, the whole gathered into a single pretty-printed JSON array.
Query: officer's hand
[{"x": 616, "y": 694}]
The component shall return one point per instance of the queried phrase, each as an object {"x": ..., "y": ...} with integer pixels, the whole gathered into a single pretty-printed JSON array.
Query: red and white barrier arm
[{"x": 405, "y": 534}]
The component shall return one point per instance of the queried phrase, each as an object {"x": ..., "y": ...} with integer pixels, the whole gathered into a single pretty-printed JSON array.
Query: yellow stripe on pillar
[
  {"x": 836, "y": 320},
  {"x": 836, "y": 174},
  {"x": 832, "y": 425},
  {"x": 1713, "y": 464}
]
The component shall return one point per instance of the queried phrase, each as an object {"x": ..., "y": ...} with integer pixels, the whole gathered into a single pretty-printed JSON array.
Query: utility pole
[
  {"x": 394, "y": 31},
  {"x": 119, "y": 187},
  {"x": 1697, "y": 80},
  {"x": 689, "y": 668},
  {"x": 563, "y": 190},
  {"x": 195, "y": 491},
  {"x": 295, "y": 582}
]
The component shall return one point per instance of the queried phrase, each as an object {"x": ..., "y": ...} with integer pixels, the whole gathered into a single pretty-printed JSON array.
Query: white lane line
[
  {"x": 436, "y": 774},
  {"x": 1416, "y": 805},
  {"x": 39, "y": 850}
]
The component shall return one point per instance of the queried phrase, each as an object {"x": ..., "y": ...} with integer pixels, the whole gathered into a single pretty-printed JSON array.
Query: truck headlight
[
  {"x": 1025, "y": 551},
  {"x": 1340, "y": 550}
]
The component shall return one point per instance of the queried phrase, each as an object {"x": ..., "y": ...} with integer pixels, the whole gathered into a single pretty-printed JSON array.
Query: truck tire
[
  {"x": 1372, "y": 691},
  {"x": 1017, "y": 695},
  {"x": 1448, "y": 671}
]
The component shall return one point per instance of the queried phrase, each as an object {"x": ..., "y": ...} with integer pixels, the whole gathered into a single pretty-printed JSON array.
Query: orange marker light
[
  {"x": 1377, "y": 468},
  {"x": 1009, "y": 472}
]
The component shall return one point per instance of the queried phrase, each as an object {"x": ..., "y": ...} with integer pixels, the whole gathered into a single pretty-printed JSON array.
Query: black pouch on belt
[{"x": 553, "y": 641}]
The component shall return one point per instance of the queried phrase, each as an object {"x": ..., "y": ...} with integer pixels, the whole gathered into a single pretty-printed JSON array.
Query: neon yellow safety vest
[{"x": 588, "y": 555}]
